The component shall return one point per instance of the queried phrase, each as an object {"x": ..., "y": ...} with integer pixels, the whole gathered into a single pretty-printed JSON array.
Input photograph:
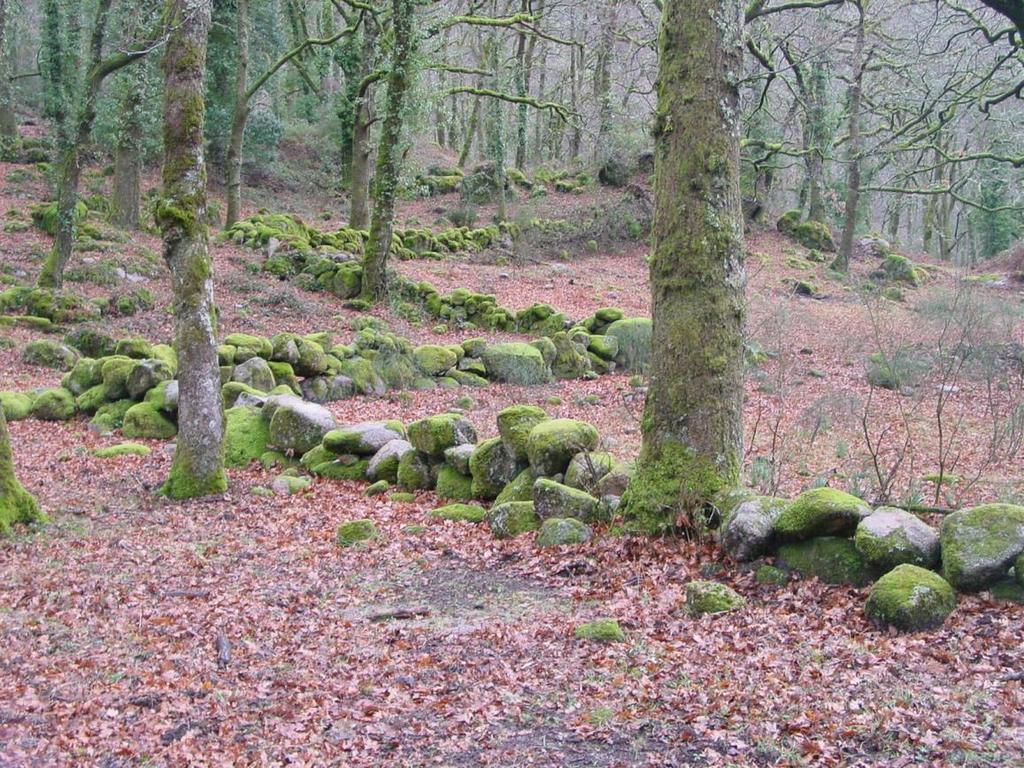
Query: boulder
[
  {"x": 820, "y": 512},
  {"x": 453, "y": 485},
  {"x": 633, "y": 336},
  {"x": 286, "y": 485},
  {"x": 254, "y": 372},
  {"x": 114, "y": 372},
  {"x": 384, "y": 464},
  {"x": 520, "y": 488},
  {"x": 553, "y": 499},
  {"x": 56, "y": 404},
  {"x": 515, "y": 362},
  {"x": 145, "y": 375},
  {"x": 980, "y": 544},
  {"x": 746, "y": 530},
  {"x": 832, "y": 560},
  {"x": 246, "y": 435},
  {"x": 296, "y": 425},
  {"x": 433, "y": 359},
  {"x": 164, "y": 396},
  {"x": 889, "y": 537},
  {"x": 436, "y": 434},
  {"x": 515, "y": 424},
  {"x": 711, "y": 597},
  {"x": 16, "y": 405},
  {"x": 559, "y": 531},
  {"x": 600, "y": 631},
  {"x": 365, "y": 438},
  {"x": 415, "y": 472},
  {"x": 49, "y": 354},
  {"x": 616, "y": 481},
  {"x": 86, "y": 374},
  {"x": 327, "y": 389},
  {"x": 458, "y": 456},
  {"x": 492, "y": 467},
  {"x": 587, "y": 468},
  {"x": 571, "y": 360},
  {"x": 469, "y": 513},
  {"x": 355, "y": 532},
  {"x": 910, "y": 598},
  {"x": 143, "y": 420},
  {"x": 248, "y": 346},
  {"x": 509, "y": 520},
  {"x": 136, "y": 348},
  {"x": 552, "y": 444}
]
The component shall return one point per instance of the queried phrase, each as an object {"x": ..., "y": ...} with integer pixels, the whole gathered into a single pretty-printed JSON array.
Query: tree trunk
[
  {"x": 389, "y": 156},
  {"x": 467, "y": 145},
  {"x": 127, "y": 169},
  {"x": 52, "y": 273},
  {"x": 239, "y": 117},
  {"x": 198, "y": 466},
  {"x": 359, "y": 213},
  {"x": 16, "y": 504},
  {"x": 842, "y": 261},
  {"x": 8, "y": 120},
  {"x": 693, "y": 418}
]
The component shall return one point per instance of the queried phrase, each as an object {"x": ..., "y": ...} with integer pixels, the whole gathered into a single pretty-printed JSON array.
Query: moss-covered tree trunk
[
  {"x": 693, "y": 417},
  {"x": 16, "y": 504},
  {"x": 389, "y": 154},
  {"x": 52, "y": 273},
  {"x": 198, "y": 467},
  {"x": 359, "y": 211},
  {"x": 240, "y": 115},
  {"x": 124, "y": 203},
  {"x": 854, "y": 148},
  {"x": 8, "y": 120}
]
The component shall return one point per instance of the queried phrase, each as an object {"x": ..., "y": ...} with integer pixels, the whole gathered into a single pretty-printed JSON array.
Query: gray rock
[
  {"x": 296, "y": 425},
  {"x": 458, "y": 456},
  {"x": 384, "y": 464},
  {"x": 890, "y": 537},
  {"x": 746, "y": 531},
  {"x": 145, "y": 375},
  {"x": 980, "y": 544},
  {"x": 557, "y": 532},
  {"x": 255, "y": 373},
  {"x": 553, "y": 499}
]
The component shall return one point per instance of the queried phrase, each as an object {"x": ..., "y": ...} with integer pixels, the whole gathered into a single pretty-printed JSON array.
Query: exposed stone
[
  {"x": 980, "y": 544},
  {"x": 746, "y": 531},
  {"x": 889, "y": 537},
  {"x": 553, "y": 499},
  {"x": 711, "y": 597},
  {"x": 552, "y": 444},
  {"x": 910, "y": 598},
  {"x": 820, "y": 512},
  {"x": 560, "y": 531}
]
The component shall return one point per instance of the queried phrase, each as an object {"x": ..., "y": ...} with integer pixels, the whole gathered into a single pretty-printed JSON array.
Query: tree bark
[
  {"x": 198, "y": 466},
  {"x": 16, "y": 504},
  {"x": 693, "y": 417},
  {"x": 378, "y": 246},
  {"x": 359, "y": 210},
  {"x": 8, "y": 119},
  {"x": 842, "y": 261},
  {"x": 127, "y": 162},
  {"x": 239, "y": 117}
]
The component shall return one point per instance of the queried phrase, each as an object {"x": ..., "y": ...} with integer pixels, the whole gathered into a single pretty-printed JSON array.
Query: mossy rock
[
  {"x": 910, "y": 598},
  {"x": 459, "y": 456},
  {"x": 414, "y": 472},
  {"x": 633, "y": 335},
  {"x": 560, "y": 531},
  {"x": 135, "y": 348},
  {"x": 552, "y": 444},
  {"x": 145, "y": 375},
  {"x": 515, "y": 362},
  {"x": 587, "y": 468},
  {"x": 814, "y": 234},
  {"x": 247, "y": 346},
  {"x": 49, "y": 354},
  {"x": 889, "y": 537},
  {"x": 110, "y": 416},
  {"x": 85, "y": 374},
  {"x": 469, "y": 513},
  {"x": 769, "y": 575},
  {"x": 832, "y": 560},
  {"x": 355, "y": 532},
  {"x": 747, "y": 529},
  {"x": 980, "y": 544},
  {"x": 492, "y": 467},
  {"x": 296, "y": 425},
  {"x": 233, "y": 390},
  {"x": 571, "y": 360},
  {"x": 56, "y": 404},
  {"x": 385, "y": 462},
  {"x": 122, "y": 449},
  {"x": 246, "y": 435},
  {"x": 365, "y": 438},
  {"x": 115, "y": 371},
  {"x": 520, "y": 488},
  {"x": 820, "y": 512},
  {"x": 553, "y": 499},
  {"x": 436, "y": 434},
  {"x": 509, "y": 520},
  {"x": 378, "y": 488},
  {"x": 287, "y": 485},
  {"x": 900, "y": 269},
  {"x": 164, "y": 396},
  {"x": 1008, "y": 590},
  {"x": 514, "y": 426},
  {"x": 453, "y": 485},
  {"x": 711, "y": 597},
  {"x": 145, "y": 421},
  {"x": 16, "y": 405},
  {"x": 600, "y": 631},
  {"x": 345, "y": 467},
  {"x": 434, "y": 359},
  {"x": 91, "y": 342}
]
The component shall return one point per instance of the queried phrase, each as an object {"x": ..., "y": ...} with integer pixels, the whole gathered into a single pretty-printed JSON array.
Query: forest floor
[{"x": 232, "y": 631}]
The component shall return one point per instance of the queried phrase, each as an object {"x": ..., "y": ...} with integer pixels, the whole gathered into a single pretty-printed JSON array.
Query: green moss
[
  {"x": 49, "y": 354},
  {"x": 110, "y": 416},
  {"x": 515, "y": 363},
  {"x": 910, "y": 598},
  {"x": 512, "y": 519},
  {"x": 377, "y": 488},
  {"x": 813, "y": 234},
  {"x": 771, "y": 576},
  {"x": 821, "y": 512},
  {"x": 1008, "y": 590},
  {"x": 552, "y": 444},
  {"x": 246, "y": 435},
  {"x": 514, "y": 426},
  {"x": 633, "y": 336},
  {"x": 670, "y": 480},
  {"x": 184, "y": 483},
  {"x": 470, "y": 513},
  {"x": 711, "y": 597},
  {"x": 832, "y": 560},
  {"x": 16, "y": 504},
  {"x": 356, "y": 531},
  {"x": 16, "y": 405},
  {"x": 433, "y": 359},
  {"x": 145, "y": 421},
  {"x": 54, "y": 405},
  {"x": 600, "y": 631},
  {"x": 403, "y": 497},
  {"x": 414, "y": 472},
  {"x": 520, "y": 489},
  {"x": 435, "y": 434},
  {"x": 342, "y": 468},
  {"x": 123, "y": 449},
  {"x": 980, "y": 544},
  {"x": 563, "y": 531},
  {"x": 115, "y": 371},
  {"x": 452, "y": 484}
]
